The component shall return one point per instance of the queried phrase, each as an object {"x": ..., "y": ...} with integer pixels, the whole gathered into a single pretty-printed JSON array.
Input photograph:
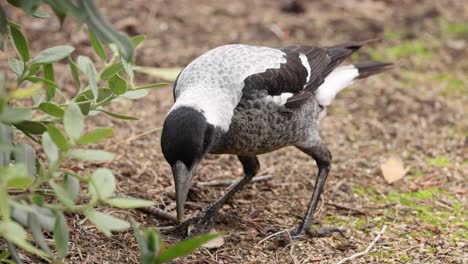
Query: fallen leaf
[
  {"x": 392, "y": 169},
  {"x": 214, "y": 243}
]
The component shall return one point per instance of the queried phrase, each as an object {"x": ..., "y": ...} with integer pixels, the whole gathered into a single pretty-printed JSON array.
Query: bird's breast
[{"x": 262, "y": 125}]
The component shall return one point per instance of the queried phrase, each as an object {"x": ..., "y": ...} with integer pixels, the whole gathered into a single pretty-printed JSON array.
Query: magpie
[{"x": 248, "y": 100}]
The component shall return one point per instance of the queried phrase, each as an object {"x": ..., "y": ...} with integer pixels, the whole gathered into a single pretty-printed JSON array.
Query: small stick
[
  {"x": 291, "y": 249},
  {"x": 371, "y": 245},
  {"x": 159, "y": 213},
  {"x": 337, "y": 206},
  {"x": 142, "y": 134},
  {"x": 229, "y": 182},
  {"x": 272, "y": 235}
]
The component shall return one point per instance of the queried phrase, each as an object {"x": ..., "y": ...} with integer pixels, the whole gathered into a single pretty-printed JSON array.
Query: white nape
[
  {"x": 306, "y": 64},
  {"x": 336, "y": 81}
]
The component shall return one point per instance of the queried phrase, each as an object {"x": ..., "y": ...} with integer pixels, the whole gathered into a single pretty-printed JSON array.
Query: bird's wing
[{"x": 305, "y": 69}]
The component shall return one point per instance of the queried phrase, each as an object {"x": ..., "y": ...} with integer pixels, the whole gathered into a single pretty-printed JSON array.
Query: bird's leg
[
  {"x": 322, "y": 157},
  {"x": 250, "y": 165}
]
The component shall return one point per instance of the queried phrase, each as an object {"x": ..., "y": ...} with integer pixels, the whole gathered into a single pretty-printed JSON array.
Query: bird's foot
[
  {"x": 181, "y": 229},
  {"x": 319, "y": 232},
  {"x": 204, "y": 223}
]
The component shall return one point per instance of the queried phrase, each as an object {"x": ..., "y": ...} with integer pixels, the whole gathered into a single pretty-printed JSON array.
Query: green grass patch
[
  {"x": 405, "y": 258},
  {"x": 441, "y": 161},
  {"x": 410, "y": 48},
  {"x": 452, "y": 85},
  {"x": 459, "y": 235},
  {"x": 454, "y": 29}
]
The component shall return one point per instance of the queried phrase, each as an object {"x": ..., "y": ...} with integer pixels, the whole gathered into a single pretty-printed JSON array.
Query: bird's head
[{"x": 185, "y": 139}]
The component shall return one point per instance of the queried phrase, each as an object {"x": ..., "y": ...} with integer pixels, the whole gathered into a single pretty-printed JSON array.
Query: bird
[{"x": 247, "y": 100}]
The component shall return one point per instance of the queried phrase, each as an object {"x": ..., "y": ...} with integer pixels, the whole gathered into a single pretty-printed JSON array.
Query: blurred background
[{"x": 417, "y": 112}]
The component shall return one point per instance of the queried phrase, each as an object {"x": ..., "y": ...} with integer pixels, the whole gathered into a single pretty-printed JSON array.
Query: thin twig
[
  {"x": 291, "y": 249},
  {"x": 272, "y": 235},
  {"x": 159, "y": 213},
  {"x": 341, "y": 207},
  {"x": 371, "y": 245},
  {"x": 216, "y": 183},
  {"x": 145, "y": 133}
]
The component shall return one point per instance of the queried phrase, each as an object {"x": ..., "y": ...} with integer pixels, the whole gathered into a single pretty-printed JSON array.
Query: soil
[{"x": 418, "y": 111}]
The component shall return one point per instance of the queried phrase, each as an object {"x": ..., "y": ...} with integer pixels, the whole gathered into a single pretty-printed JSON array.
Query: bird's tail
[
  {"x": 343, "y": 76},
  {"x": 366, "y": 69}
]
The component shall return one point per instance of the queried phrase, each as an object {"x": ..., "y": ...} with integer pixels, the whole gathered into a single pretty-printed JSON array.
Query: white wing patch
[
  {"x": 306, "y": 64},
  {"x": 279, "y": 99},
  {"x": 336, "y": 81},
  {"x": 213, "y": 82}
]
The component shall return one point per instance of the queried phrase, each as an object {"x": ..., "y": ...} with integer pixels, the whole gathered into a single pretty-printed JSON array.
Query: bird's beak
[{"x": 182, "y": 180}]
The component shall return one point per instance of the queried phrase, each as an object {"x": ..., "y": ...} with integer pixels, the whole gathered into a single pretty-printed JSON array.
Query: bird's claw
[
  {"x": 320, "y": 232},
  {"x": 204, "y": 223}
]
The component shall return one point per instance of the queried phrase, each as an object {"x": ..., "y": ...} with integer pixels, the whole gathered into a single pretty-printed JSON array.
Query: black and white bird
[{"x": 249, "y": 100}]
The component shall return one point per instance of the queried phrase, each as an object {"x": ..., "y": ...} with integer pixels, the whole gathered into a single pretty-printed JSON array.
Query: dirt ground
[{"x": 417, "y": 111}]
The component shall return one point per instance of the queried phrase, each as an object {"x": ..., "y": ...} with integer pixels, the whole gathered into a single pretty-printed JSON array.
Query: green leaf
[
  {"x": 137, "y": 40},
  {"x": 32, "y": 127},
  {"x": 87, "y": 96},
  {"x": 87, "y": 67},
  {"x": 34, "y": 69},
  {"x": 106, "y": 223},
  {"x": 36, "y": 79},
  {"x": 11, "y": 23},
  {"x": 36, "y": 231},
  {"x": 16, "y": 176},
  {"x": 60, "y": 9},
  {"x": 50, "y": 149},
  {"x": 23, "y": 93},
  {"x": 37, "y": 199},
  {"x": 75, "y": 72},
  {"x": 150, "y": 86},
  {"x": 20, "y": 43},
  {"x": 91, "y": 155},
  {"x": 3, "y": 27},
  {"x": 169, "y": 74},
  {"x": 40, "y": 14},
  {"x": 104, "y": 31},
  {"x": 73, "y": 121},
  {"x": 16, "y": 66},
  {"x": 2, "y": 91},
  {"x": 62, "y": 194},
  {"x": 72, "y": 185},
  {"x": 25, "y": 154},
  {"x": 15, "y": 115},
  {"x": 45, "y": 216},
  {"x": 15, "y": 233},
  {"x": 111, "y": 70},
  {"x": 135, "y": 94},
  {"x": 61, "y": 235},
  {"x": 83, "y": 103},
  {"x": 184, "y": 248},
  {"x": 49, "y": 75},
  {"x": 154, "y": 240},
  {"x": 124, "y": 202},
  {"x": 52, "y": 109},
  {"x": 6, "y": 138},
  {"x": 53, "y": 54},
  {"x": 102, "y": 184},
  {"x": 117, "y": 84},
  {"x": 128, "y": 69},
  {"x": 97, "y": 46},
  {"x": 4, "y": 205},
  {"x": 95, "y": 136},
  {"x": 119, "y": 116},
  {"x": 58, "y": 138}
]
